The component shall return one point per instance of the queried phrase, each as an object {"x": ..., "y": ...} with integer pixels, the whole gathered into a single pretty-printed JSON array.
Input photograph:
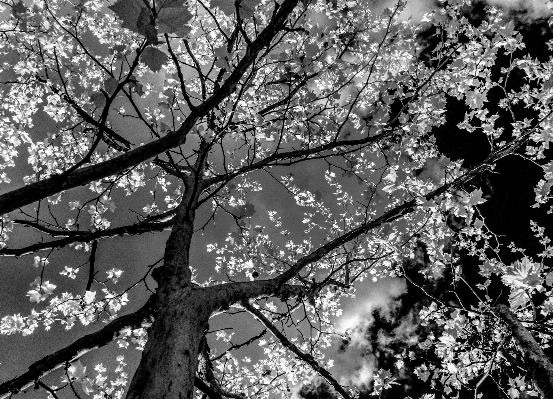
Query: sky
[
  {"x": 15, "y": 275},
  {"x": 351, "y": 366}
]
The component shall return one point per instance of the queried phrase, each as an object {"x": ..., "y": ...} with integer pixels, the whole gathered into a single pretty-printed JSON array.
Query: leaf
[
  {"x": 311, "y": 49},
  {"x": 48, "y": 288},
  {"x": 128, "y": 11},
  {"x": 110, "y": 85},
  {"x": 40, "y": 262},
  {"x": 87, "y": 385},
  {"x": 522, "y": 276},
  {"x": 247, "y": 8},
  {"x": 163, "y": 127},
  {"x": 153, "y": 58},
  {"x": 222, "y": 57},
  {"x": 475, "y": 100},
  {"x": 458, "y": 64},
  {"x": 226, "y": 6},
  {"x": 549, "y": 279},
  {"x": 119, "y": 48},
  {"x": 136, "y": 17},
  {"x": 89, "y": 297},
  {"x": 137, "y": 87},
  {"x": 246, "y": 210},
  {"x": 174, "y": 20},
  {"x": 145, "y": 26},
  {"x": 518, "y": 299},
  {"x": 18, "y": 9},
  {"x": 170, "y": 4},
  {"x": 98, "y": 99},
  {"x": 475, "y": 198},
  {"x": 529, "y": 271},
  {"x": 391, "y": 176},
  {"x": 34, "y": 296},
  {"x": 40, "y": 291},
  {"x": 76, "y": 370}
]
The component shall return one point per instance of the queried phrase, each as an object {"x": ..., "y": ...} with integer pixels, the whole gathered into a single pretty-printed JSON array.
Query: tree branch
[
  {"x": 294, "y": 154},
  {"x": 293, "y": 348},
  {"x": 227, "y": 294},
  {"x": 539, "y": 366},
  {"x": 304, "y": 154},
  {"x": 56, "y": 184},
  {"x": 223, "y": 295},
  {"x": 210, "y": 392},
  {"x": 145, "y": 226},
  {"x": 92, "y": 264},
  {"x": 75, "y": 350}
]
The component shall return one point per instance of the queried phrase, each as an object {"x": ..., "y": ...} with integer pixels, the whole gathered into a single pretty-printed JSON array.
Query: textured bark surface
[
  {"x": 170, "y": 359},
  {"x": 540, "y": 368}
]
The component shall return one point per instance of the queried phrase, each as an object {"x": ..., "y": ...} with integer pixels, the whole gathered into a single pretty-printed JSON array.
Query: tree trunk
[
  {"x": 540, "y": 368},
  {"x": 170, "y": 359}
]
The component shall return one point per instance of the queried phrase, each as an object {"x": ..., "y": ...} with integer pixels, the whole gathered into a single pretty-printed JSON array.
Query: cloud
[
  {"x": 534, "y": 8},
  {"x": 417, "y": 8},
  {"x": 355, "y": 363},
  {"x": 295, "y": 392},
  {"x": 379, "y": 295}
]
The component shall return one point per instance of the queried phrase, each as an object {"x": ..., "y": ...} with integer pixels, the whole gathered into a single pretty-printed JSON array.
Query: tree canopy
[{"x": 264, "y": 199}]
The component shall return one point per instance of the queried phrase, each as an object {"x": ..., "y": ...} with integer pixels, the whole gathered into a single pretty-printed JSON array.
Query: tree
[{"x": 298, "y": 136}]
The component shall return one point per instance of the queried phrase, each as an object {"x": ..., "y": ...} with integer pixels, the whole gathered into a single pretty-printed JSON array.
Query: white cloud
[
  {"x": 354, "y": 364},
  {"x": 295, "y": 392},
  {"x": 417, "y": 8},
  {"x": 371, "y": 296},
  {"x": 535, "y": 8}
]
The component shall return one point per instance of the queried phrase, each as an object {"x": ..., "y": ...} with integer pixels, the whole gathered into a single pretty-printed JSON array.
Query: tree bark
[
  {"x": 540, "y": 368},
  {"x": 170, "y": 359}
]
